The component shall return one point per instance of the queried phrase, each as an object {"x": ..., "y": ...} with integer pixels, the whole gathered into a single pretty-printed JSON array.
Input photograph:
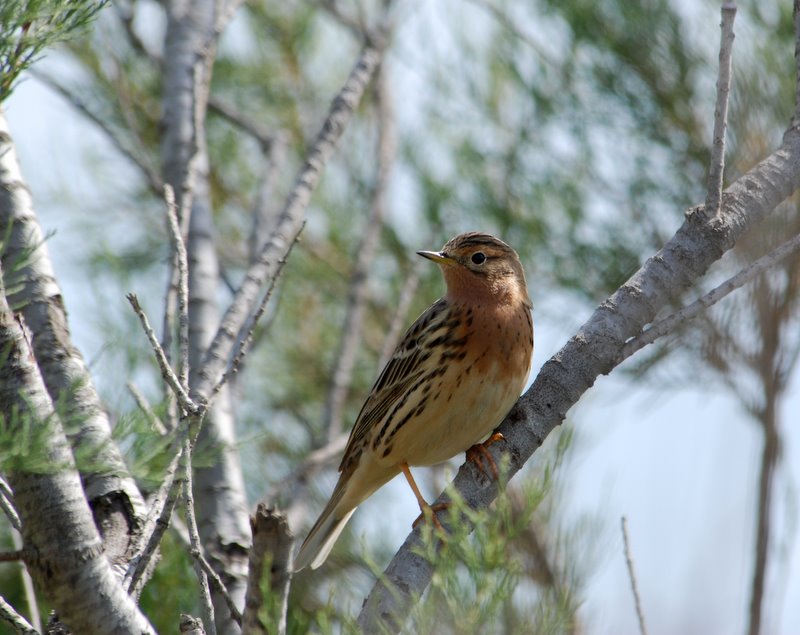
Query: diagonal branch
[
  {"x": 167, "y": 373},
  {"x": 593, "y": 352},
  {"x": 17, "y": 622},
  {"x": 671, "y": 322},
  {"x": 290, "y": 219}
]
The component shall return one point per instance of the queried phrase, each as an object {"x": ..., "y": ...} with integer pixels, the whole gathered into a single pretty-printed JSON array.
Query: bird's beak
[{"x": 437, "y": 257}]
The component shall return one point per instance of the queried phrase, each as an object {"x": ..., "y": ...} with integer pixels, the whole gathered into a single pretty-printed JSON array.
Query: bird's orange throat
[{"x": 464, "y": 287}]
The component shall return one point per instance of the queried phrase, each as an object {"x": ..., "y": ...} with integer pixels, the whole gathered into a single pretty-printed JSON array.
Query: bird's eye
[{"x": 478, "y": 258}]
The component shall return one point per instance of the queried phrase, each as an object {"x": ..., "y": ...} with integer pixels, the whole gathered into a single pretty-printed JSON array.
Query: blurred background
[{"x": 576, "y": 131}]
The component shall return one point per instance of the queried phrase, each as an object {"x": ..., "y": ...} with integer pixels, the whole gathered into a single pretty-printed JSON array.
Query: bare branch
[
  {"x": 181, "y": 259},
  {"x": 632, "y": 576},
  {"x": 126, "y": 16},
  {"x": 717, "y": 167},
  {"x": 15, "y": 620},
  {"x": 166, "y": 371},
  {"x": 243, "y": 345},
  {"x": 271, "y": 537},
  {"x": 290, "y": 219},
  {"x": 668, "y": 324},
  {"x": 218, "y": 585},
  {"x": 14, "y": 556},
  {"x": 7, "y": 504},
  {"x": 342, "y": 372},
  {"x": 194, "y": 539},
  {"x": 769, "y": 461},
  {"x": 245, "y": 122},
  {"x": 156, "y": 523},
  {"x": 354, "y": 25}
]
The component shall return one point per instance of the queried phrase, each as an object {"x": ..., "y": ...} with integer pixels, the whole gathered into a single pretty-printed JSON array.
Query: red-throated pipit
[{"x": 452, "y": 379}]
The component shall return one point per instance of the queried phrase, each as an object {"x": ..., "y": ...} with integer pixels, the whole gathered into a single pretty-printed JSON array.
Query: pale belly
[{"x": 451, "y": 423}]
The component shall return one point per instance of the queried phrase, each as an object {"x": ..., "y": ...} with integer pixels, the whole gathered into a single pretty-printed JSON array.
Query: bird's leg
[
  {"x": 423, "y": 504},
  {"x": 480, "y": 451}
]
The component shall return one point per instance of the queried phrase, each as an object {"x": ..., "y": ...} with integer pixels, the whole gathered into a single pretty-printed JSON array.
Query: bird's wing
[{"x": 406, "y": 366}]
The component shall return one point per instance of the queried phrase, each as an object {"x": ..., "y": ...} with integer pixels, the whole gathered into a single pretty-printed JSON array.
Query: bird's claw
[
  {"x": 479, "y": 453},
  {"x": 433, "y": 509}
]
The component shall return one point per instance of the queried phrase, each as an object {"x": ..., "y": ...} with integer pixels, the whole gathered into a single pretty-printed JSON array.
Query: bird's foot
[
  {"x": 431, "y": 510},
  {"x": 479, "y": 453}
]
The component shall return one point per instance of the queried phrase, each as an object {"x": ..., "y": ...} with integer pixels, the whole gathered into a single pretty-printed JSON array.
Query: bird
[{"x": 453, "y": 377}]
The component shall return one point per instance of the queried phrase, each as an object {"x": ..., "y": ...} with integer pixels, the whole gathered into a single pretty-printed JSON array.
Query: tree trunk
[
  {"x": 64, "y": 552},
  {"x": 112, "y": 493}
]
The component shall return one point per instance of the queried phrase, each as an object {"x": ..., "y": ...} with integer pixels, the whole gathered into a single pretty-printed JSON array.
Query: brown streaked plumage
[{"x": 452, "y": 379}]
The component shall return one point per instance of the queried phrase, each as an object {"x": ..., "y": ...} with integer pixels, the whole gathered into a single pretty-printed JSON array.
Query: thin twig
[
  {"x": 147, "y": 411},
  {"x": 179, "y": 247},
  {"x": 219, "y": 586},
  {"x": 717, "y": 167},
  {"x": 246, "y": 297},
  {"x": 7, "y": 505},
  {"x": 181, "y": 531},
  {"x": 243, "y": 345},
  {"x": 15, "y": 620},
  {"x": 194, "y": 539},
  {"x": 632, "y": 575},
  {"x": 166, "y": 371},
  {"x": 156, "y": 523},
  {"x": 126, "y": 16},
  {"x": 14, "y": 556},
  {"x": 669, "y": 323},
  {"x": 245, "y": 122}
]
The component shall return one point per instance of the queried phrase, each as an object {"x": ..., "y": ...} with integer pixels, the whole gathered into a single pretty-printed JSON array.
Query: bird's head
[{"x": 478, "y": 266}]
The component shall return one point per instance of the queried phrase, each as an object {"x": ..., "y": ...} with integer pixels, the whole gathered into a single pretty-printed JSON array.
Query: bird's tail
[{"x": 324, "y": 533}]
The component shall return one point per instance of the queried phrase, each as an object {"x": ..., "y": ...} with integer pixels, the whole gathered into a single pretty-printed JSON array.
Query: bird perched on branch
[{"x": 454, "y": 376}]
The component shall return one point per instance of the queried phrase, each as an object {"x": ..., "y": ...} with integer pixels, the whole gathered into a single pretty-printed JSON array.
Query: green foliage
[
  {"x": 24, "y": 442},
  {"x": 511, "y": 574},
  {"x": 27, "y": 27}
]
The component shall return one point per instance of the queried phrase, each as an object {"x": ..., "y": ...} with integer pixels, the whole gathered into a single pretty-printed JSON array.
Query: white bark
[
  {"x": 115, "y": 499},
  {"x": 219, "y": 489},
  {"x": 290, "y": 221},
  {"x": 66, "y": 558},
  {"x": 593, "y": 351}
]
